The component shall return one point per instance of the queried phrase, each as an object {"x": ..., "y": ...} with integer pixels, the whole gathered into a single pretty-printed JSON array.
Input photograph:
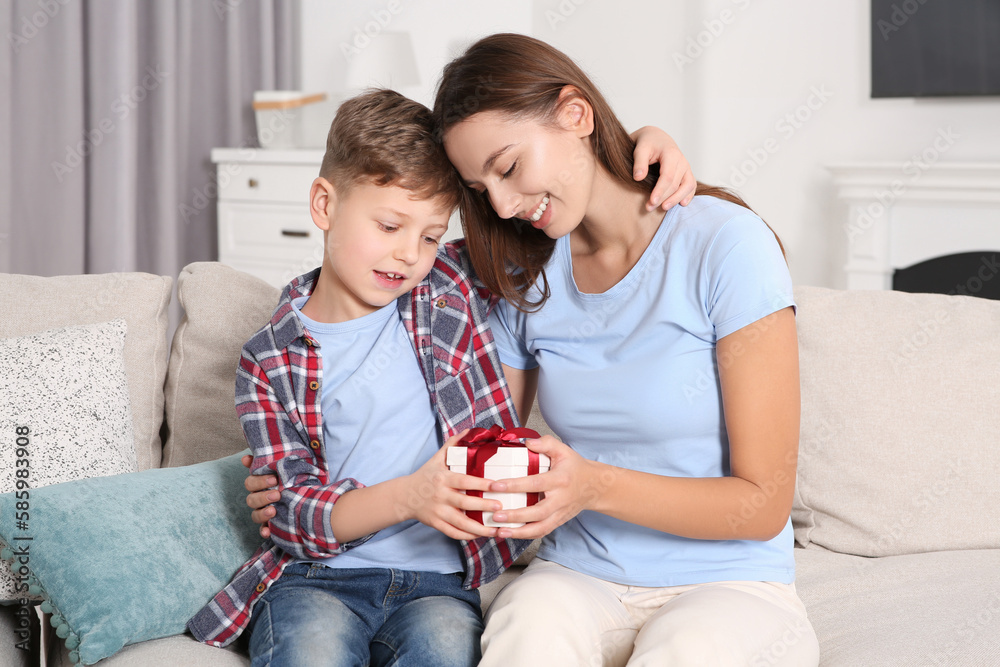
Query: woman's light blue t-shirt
[
  {"x": 628, "y": 377},
  {"x": 378, "y": 424}
]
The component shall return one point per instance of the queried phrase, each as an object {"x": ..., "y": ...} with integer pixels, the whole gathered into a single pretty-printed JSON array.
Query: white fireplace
[{"x": 900, "y": 214}]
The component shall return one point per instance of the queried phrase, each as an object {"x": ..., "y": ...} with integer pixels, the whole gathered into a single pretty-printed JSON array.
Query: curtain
[{"x": 108, "y": 112}]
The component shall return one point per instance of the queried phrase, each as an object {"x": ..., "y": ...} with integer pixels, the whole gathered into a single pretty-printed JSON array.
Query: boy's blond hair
[{"x": 385, "y": 138}]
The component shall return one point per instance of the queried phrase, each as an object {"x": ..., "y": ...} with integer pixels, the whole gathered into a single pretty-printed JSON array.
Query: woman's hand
[
  {"x": 676, "y": 183},
  {"x": 572, "y": 485},
  {"x": 434, "y": 496},
  {"x": 262, "y": 493}
]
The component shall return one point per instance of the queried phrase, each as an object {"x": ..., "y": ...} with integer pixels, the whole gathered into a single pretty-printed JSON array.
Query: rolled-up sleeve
[{"x": 301, "y": 525}]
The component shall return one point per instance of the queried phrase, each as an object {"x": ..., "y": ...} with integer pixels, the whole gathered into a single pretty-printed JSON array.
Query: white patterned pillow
[{"x": 64, "y": 413}]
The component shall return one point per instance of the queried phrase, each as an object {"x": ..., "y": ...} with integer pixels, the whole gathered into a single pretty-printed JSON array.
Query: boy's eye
[
  {"x": 386, "y": 227},
  {"x": 431, "y": 239},
  {"x": 513, "y": 168}
]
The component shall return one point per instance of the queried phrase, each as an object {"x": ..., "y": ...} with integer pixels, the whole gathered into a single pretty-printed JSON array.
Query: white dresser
[{"x": 264, "y": 223}]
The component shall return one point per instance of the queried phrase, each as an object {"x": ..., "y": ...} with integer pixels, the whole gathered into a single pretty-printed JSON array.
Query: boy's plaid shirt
[{"x": 278, "y": 390}]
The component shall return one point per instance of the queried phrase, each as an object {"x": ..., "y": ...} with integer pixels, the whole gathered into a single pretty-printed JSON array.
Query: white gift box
[{"x": 507, "y": 463}]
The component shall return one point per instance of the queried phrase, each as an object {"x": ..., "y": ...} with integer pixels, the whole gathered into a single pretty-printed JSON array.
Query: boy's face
[{"x": 379, "y": 244}]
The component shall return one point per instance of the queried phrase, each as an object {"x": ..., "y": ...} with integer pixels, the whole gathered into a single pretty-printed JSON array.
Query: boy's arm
[
  {"x": 301, "y": 523},
  {"x": 433, "y": 495},
  {"x": 312, "y": 520}
]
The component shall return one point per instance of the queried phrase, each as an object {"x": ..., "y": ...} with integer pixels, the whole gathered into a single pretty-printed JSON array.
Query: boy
[{"x": 363, "y": 563}]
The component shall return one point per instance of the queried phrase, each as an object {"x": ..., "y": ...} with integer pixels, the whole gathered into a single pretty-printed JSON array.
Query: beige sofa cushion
[
  {"x": 537, "y": 422},
  {"x": 921, "y": 609},
  {"x": 898, "y": 451},
  {"x": 223, "y": 307},
  {"x": 10, "y": 625},
  {"x": 176, "y": 651},
  {"x": 31, "y": 304}
]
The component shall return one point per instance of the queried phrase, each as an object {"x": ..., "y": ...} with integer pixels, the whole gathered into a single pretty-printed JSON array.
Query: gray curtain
[{"x": 108, "y": 111}]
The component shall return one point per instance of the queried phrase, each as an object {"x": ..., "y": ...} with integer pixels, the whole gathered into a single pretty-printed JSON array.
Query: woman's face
[{"x": 539, "y": 173}]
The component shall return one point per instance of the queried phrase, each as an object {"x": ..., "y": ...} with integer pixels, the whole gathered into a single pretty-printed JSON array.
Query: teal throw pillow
[{"x": 127, "y": 558}]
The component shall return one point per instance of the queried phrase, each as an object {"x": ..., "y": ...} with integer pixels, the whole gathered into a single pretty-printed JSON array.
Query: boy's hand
[
  {"x": 262, "y": 494},
  {"x": 676, "y": 183},
  {"x": 433, "y": 496}
]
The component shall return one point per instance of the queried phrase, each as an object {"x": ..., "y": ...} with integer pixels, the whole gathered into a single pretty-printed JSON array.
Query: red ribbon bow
[{"x": 482, "y": 444}]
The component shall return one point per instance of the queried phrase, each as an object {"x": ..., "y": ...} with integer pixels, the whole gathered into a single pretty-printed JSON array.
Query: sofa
[{"x": 896, "y": 516}]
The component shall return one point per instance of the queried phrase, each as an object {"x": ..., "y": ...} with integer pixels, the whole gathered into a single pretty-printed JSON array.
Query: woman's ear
[
  {"x": 322, "y": 201},
  {"x": 574, "y": 112}
]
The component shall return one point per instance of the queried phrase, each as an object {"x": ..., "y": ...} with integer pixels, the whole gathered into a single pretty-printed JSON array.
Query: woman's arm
[
  {"x": 653, "y": 145},
  {"x": 522, "y": 385},
  {"x": 262, "y": 493},
  {"x": 759, "y": 373}
]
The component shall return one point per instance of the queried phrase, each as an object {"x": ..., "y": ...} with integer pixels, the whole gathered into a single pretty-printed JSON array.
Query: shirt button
[
  {"x": 441, "y": 303},
  {"x": 309, "y": 342},
  {"x": 261, "y": 587},
  {"x": 314, "y": 444},
  {"x": 314, "y": 385}
]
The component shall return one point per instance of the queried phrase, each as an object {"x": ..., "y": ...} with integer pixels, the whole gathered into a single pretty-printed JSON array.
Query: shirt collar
[{"x": 285, "y": 324}]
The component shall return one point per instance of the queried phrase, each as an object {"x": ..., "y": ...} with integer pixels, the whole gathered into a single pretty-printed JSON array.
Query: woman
[
  {"x": 665, "y": 356},
  {"x": 664, "y": 353}
]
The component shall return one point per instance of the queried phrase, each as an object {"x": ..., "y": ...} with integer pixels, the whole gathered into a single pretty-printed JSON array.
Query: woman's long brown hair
[{"x": 523, "y": 76}]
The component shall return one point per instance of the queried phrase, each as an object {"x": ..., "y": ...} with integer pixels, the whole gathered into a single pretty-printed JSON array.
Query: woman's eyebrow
[{"x": 494, "y": 156}]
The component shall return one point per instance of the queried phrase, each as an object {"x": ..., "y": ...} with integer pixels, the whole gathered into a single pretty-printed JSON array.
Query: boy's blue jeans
[{"x": 315, "y": 616}]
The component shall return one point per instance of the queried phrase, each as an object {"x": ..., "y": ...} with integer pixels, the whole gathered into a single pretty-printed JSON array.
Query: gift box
[{"x": 497, "y": 454}]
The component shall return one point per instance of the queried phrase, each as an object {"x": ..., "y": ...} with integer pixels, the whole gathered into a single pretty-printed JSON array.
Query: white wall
[
  {"x": 329, "y": 33},
  {"x": 765, "y": 64},
  {"x": 623, "y": 47},
  {"x": 730, "y": 102},
  {"x": 440, "y": 30}
]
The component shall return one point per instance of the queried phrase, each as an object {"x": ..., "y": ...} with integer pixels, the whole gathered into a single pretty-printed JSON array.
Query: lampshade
[{"x": 388, "y": 61}]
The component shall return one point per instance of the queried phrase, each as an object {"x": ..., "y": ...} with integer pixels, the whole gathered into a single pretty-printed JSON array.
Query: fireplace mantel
[{"x": 901, "y": 214}]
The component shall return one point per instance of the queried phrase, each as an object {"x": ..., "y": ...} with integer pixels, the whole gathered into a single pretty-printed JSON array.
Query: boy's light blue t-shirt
[
  {"x": 378, "y": 425},
  {"x": 628, "y": 377}
]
